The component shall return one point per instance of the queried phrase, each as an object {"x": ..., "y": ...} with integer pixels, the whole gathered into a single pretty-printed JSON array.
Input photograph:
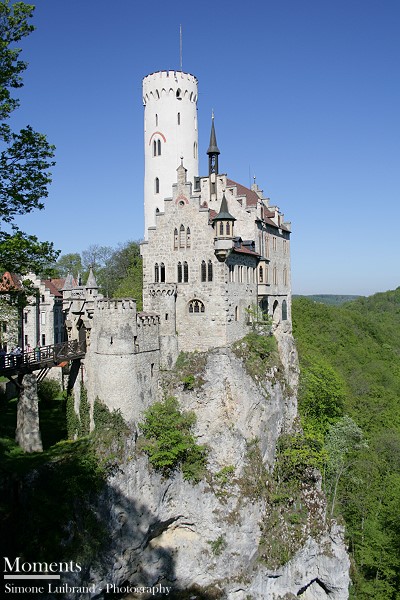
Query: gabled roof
[{"x": 10, "y": 282}]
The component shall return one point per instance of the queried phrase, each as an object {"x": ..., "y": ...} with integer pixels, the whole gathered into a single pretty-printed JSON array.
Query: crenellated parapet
[{"x": 169, "y": 83}]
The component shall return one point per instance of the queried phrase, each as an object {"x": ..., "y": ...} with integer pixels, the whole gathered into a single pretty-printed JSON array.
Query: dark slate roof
[
  {"x": 213, "y": 148},
  {"x": 224, "y": 214}
]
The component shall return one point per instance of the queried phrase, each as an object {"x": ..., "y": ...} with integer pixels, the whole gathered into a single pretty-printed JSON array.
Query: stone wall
[{"x": 122, "y": 362}]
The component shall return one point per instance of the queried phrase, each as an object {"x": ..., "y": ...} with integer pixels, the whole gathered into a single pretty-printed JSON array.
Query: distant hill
[
  {"x": 350, "y": 365},
  {"x": 333, "y": 299}
]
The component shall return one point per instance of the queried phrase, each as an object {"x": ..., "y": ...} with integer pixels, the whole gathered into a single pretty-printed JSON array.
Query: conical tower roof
[
  {"x": 68, "y": 283},
  {"x": 213, "y": 148},
  {"x": 91, "y": 280},
  {"x": 224, "y": 214}
]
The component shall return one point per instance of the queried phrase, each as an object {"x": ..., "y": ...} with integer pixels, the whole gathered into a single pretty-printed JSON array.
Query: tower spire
[{"x": 213, "y": 150}]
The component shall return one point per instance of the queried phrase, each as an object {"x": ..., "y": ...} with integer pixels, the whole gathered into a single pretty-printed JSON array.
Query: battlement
[
  {"x": 169, "y": 83},
  {"x": 120, "y": 305},
  {"x": 147, "y": 318}
]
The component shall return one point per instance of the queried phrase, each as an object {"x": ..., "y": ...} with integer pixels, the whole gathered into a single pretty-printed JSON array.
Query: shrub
[
  {"x": 168, "y": 440},
  {"x": 48, "y": 390}
]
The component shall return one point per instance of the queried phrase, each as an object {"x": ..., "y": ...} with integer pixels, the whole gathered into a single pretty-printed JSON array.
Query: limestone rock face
[
  {"x": 172, "y": 532},
  {"x": 27, "y": 434}
]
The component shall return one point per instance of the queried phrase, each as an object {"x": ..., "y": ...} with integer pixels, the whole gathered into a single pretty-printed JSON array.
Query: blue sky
[{"x": 306, "y": 97}]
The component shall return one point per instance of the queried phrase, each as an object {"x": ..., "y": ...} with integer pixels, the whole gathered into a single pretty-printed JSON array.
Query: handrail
[{"x": 36, "y": 358}]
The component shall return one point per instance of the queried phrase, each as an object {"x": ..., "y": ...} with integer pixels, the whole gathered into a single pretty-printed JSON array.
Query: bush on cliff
[{"x": 169, "y": 442}]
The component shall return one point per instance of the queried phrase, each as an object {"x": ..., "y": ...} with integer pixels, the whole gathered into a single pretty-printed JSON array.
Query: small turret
[{"x": 223, "y": 223}]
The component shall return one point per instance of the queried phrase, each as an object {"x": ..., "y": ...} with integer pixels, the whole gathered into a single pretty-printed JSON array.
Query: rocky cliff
[{"x": 218, "y": 536}]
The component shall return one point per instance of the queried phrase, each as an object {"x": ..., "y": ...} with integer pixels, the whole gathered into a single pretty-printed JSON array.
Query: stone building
[{"x": 214, "y": 248}]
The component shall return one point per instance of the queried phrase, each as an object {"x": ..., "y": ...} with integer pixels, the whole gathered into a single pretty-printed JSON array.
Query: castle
[{"x": 213, "y": 250}]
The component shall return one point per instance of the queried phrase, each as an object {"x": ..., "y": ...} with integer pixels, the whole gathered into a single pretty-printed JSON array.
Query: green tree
[
  {"x": 69, "y": 263},
  {"x": 169, "y": 442},
  {"x": 344, "y": 439},
  {"x": 25, "y": 155}
]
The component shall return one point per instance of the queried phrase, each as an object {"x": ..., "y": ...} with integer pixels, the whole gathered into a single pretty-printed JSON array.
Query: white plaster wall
[{"x": 162, "y": 105}]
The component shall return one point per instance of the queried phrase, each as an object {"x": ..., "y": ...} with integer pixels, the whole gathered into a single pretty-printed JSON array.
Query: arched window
[
  {"x": 284, "y": 310},
  {"x": 285, "y": 277},
  {"x": 185, "y": 272},
  {"x": 231, "y": 273},
  {"x": 261, "y": 274},
  {"x": 275, "y": 276},
  {"x": 178, "y": 94},
  {"x": 159, "y": 147},
  {"x": 264, "y": 306},
  {"x": 154, "y": 148},
  {"x": 156, "y": 273},
  {"x": 274, "y": 313},
  {"x": 162, "y": 273},
  {"x": 156, "y": 120},
  {"x": 228, "y": 228},
  {"x": 179, "y": 118},
  {"x": 203, "y": 271},
  {"x": 210, "y": 271},
  {"x": 196, "y": 307},
  {"x": 221, "y": 228},
  {"x": 179, "y": 272},
  {"x": 236, "y": 313},
  {"x": 181, "y": 236},
  {"x": 157, "y": 186},
  {"x": 195, "y": 150},
  {"x": 188, "y": 237},
  {"x": 175, "y": 239}
]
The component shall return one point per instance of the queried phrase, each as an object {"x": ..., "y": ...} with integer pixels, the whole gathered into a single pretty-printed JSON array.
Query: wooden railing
[{"x": 42, "y": 356}]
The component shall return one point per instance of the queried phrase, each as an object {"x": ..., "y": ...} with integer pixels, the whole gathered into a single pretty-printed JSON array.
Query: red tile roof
[
  {"x": 252, "y": 198},
  {"x": 52, "y": 286}
]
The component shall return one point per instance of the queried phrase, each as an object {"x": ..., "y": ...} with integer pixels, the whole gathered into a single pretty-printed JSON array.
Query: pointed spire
[
  {"x": 224, "y": 214},
  {"x": 213, "y": 148},
  {"x": 68, "y": 283},
  {"x": 91, "y": 280}
]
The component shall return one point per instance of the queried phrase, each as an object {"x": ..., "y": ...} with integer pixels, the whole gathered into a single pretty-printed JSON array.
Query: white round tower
[{"x": 170, "y": 133}]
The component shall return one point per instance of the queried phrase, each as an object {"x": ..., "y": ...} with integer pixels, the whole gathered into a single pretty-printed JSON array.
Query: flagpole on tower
[{"x": 180, "y": 46}]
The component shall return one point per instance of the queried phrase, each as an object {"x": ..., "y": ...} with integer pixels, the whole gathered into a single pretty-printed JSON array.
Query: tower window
[
  {"x": 188, "y": 237},
  {"x": 179, "y": 272},
  {"x": 203, "y": 271},
  {"x": 261, "y": 275},
  {"x": 182, "y": 237},
  {"x": 159, "y": 147},
  {"x": 275, "y": 275},
  {"x": 221, "y": 228},
  {"x": 196, "y": 307},
  {"x": 185, "y": 272},
  {"x": 284, "y": 310},
  {"x": 195, "y": 150},
  {"x": 210, "y": 271},
  {"x": 178, "y": 94},
  {"x": 231, "y": 273},
  {"x": 236, "y": 313},
  {"x": 175, "y": 239},
  {"x": 157, "y": 186},
  {"x": 228, "y": 228},
  {"x": 154, "y": 148},
  {"x": 162, "y": 273},
  {"x": 156, "y": 120},
  {"x": 179, "y": 118},
  {"x": 156, "y": 273}
]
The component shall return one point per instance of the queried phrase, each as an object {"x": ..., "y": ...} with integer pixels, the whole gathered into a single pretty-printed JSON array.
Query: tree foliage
[
  {"x": 169, "y": 441},
  {"x": 350, "y": 394},
  {"x": 25, "y": 156}
]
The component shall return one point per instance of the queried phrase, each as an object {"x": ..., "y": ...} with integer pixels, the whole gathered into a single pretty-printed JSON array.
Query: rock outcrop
[{"x": 207, "y": 535}]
